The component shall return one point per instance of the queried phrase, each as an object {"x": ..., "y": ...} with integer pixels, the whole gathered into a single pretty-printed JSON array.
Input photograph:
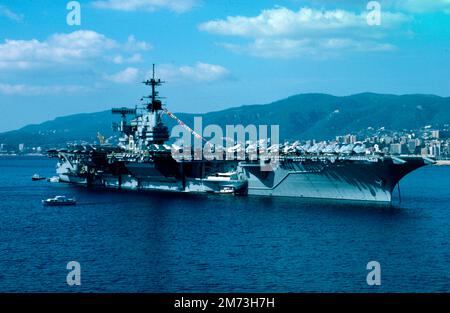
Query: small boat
[
  {"x": 222, "y": 176},
  {"x": 54, "y": 179},
  {"x": 59, "y": 200},
  {"x": 37, "y": 177}
]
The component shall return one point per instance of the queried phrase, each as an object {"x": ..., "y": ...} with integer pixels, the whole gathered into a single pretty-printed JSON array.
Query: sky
[{"x": 213, "y": 54}]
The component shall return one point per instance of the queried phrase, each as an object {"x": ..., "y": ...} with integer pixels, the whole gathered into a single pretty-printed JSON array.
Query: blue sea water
[{"x": 160, "y": 242}]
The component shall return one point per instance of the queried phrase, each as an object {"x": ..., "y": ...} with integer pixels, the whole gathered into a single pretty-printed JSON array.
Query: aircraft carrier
[{"x": 144, "y": 160}]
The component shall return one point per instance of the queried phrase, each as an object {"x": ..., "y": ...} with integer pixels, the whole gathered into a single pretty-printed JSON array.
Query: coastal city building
[{"x": 427, "y": 141}]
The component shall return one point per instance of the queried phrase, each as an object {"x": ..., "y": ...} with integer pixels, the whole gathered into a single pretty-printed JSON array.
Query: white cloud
[
  {"x": 199, "y": 72},
  {"x": 128, "y": 75},
  {"x": 63, "y": 49},
  {"x": 284, "y": 33},
  {"x": 29, "y": 90},
  {"x": 5, "y": 12},
  {"x": 424, "y": 6},
  {"x": 120, "y": 59},
  {"x": 293, "y": 48},
  {"x": 178, "y": 6},
  {"x": 284, "y": 22},
  {"x": 355, "y": 45},
  {"x": 134, "y": 45},
  {"x": 59, "y": 48},
  {"x": 273, "y": 48}
]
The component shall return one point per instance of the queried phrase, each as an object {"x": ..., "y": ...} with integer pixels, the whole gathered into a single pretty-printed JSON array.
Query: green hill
[{"x": 304, "y": 116}]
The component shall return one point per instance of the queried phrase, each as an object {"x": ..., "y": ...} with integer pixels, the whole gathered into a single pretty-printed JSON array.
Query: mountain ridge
[{"x": 301, "y": 116}]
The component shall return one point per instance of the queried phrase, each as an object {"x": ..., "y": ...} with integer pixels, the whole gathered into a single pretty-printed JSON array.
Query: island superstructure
[{"x": 144, "y": 160}]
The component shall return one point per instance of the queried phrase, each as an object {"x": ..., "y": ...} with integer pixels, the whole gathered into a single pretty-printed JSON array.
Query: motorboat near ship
[
  {"x": 59, "y": 201},
  {"x": 37, "y": 177},
  {"x": 143, "y": 160},
  {"x": 54, "y": 179}
]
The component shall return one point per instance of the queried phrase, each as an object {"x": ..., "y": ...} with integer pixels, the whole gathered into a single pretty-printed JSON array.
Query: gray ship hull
[
  {"x": 345, "y": 178},
  {"x": 350, "y": 180}
]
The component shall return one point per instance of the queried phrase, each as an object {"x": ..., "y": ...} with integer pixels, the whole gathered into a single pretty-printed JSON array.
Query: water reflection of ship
[{"x": 142, "y": 160}]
